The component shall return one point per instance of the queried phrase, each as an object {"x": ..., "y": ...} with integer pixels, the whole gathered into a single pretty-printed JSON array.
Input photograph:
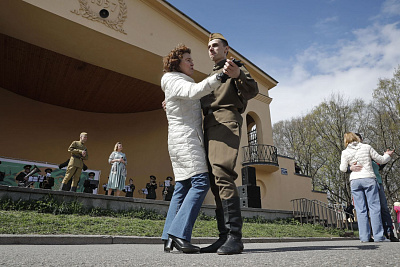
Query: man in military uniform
[
  {"x": 21, "y": 178},
  {"x": 48, "y": 181},
  {"x": 222, "y": 111},
  {"x": 89, "y": 185},
  {"x": 151, "y": 188},
  {"x": 78, "y": 153},
  {"x": 131, "y": 187},
  {"x": 168, "y": 190}
]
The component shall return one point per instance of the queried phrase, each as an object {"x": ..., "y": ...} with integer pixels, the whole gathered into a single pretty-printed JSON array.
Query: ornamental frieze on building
[{"x": 111, "y": 13}]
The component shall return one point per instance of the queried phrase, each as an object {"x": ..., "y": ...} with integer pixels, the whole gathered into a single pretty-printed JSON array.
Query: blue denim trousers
[
  {"x": 185, "y": 205},
  {"x": 365, "y": 192},
  {"x": 385, "y": 212}
]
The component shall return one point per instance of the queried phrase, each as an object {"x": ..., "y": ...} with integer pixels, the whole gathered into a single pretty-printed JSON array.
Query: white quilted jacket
[
  {"x": 185, "y": 134},
  {"x": 362, "y": 154}
]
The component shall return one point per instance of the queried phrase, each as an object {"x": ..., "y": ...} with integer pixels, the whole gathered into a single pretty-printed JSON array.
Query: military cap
[
  {"x": 48, "y": 170},
  {"x": 169, "y": 178},
  {"x": 216, "y": 36},
  {"x": 91, "y": 173},
  {"x": 27, "y": 166}
]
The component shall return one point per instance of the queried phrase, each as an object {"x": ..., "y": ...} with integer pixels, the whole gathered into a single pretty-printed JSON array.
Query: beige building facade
[{"x": 95, "y": 66}]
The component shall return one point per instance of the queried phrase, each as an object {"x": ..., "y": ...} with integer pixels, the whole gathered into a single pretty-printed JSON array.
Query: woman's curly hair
[{"x": 173, "y": 59}]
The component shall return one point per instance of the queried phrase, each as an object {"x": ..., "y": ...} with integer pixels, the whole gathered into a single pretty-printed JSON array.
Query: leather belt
[
  {"x": 77, "y": 157},
  {"x": 210, "y": 111}
]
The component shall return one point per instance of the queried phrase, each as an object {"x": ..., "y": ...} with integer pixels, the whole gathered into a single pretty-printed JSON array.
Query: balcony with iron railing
[{"x": 264, "y": 157}]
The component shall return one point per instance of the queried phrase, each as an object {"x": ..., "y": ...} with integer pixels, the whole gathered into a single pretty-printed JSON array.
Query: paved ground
[{"x": 311, "y": 253}]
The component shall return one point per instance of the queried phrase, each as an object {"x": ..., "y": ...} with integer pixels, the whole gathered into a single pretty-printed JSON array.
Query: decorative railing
[
  {"x": 260, "y": 154},
  {"x": 317, "y": 212}
]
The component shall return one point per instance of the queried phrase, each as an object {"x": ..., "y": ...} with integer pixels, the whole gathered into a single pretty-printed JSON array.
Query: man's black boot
[
  {"x": 73, "y": 189},
  {"x": 223, "y": 233},
  {"x": 64, "y": 187},
  {"x": 233, "y": 245},
  {"x": 393, "y": 238},
  {"x": 233, "y": 222}
]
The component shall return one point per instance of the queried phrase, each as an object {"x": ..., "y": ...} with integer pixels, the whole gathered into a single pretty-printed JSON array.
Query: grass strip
[{"x": 50, "y": 217}]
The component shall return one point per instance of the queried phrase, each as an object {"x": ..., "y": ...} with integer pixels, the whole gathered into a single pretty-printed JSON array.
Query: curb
[{"x": 108, "y": 240}]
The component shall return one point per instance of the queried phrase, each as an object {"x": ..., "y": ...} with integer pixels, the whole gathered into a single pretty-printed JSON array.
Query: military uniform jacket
[
  {"x": 151, "y": 191},
  {"x": 20, "y": 176},
  {"x": 76, "y": 149},
  {"x": 228, "y": 101}
]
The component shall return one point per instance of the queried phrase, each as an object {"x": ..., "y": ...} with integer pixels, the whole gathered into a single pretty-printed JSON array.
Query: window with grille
[
  {"x": 253, "y": 148},
  {"x": 252, "y": 135}
]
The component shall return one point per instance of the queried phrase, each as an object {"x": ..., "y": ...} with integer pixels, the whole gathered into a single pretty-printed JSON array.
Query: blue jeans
[
  {"x": 386, "y": 217},
  {"x": 365, "y": 191},
  {"x": 185, "y": 205}
]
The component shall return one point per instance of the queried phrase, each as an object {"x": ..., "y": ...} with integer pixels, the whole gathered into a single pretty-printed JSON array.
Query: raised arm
[
  {"x": 246, "y": 85},
  {"x": 378, "y": 158},
  {"x": 176, "y": 85}
]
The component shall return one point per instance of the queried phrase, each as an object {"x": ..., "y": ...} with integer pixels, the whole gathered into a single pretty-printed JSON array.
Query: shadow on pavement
[{"x": 310, "y": 248}]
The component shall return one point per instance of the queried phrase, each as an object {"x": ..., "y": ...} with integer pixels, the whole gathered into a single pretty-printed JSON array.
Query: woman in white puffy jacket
[
  {"x": 185, "y": 146},
  {"x": 364, "y": 186}
]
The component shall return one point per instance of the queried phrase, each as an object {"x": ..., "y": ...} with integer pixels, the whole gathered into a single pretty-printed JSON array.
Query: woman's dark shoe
[
  {"x": 183, "y": 245},
  {"x": 168, "y": 245}
]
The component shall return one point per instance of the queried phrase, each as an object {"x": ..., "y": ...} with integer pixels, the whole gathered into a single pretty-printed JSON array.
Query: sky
[{"x": 313, "y": 48}]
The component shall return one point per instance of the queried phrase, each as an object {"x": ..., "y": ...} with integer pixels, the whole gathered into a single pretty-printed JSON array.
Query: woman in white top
[
  {"x": 364, "y": 186},
  {"x": 185, "y": 146}
]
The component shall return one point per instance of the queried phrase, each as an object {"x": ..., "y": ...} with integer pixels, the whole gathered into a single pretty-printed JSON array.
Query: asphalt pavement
[{"x": 273, "y": 252}]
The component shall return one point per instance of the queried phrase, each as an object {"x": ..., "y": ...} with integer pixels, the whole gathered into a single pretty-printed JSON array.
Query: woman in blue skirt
[{"x": 116, "y": 180}]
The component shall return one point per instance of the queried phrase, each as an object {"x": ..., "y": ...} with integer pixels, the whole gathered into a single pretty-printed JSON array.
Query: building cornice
[{"x": 263, "y": 98}]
